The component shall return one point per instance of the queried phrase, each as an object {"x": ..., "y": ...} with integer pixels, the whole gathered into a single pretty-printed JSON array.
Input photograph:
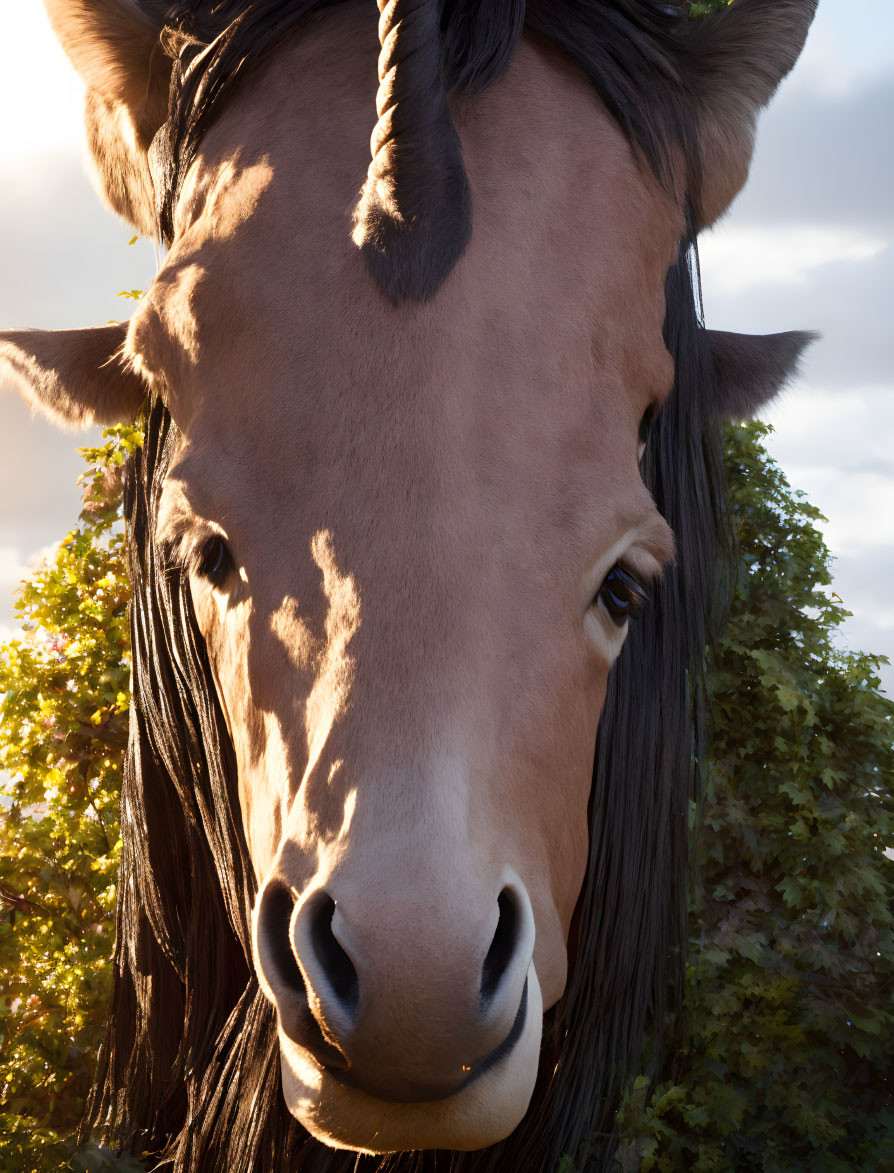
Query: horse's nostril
[
  {"x": 336, "y": 965},
  {"x": 274, "y": 930},
  {"x": 502, "y": 947},
  {"x": 285, "y": 979}
]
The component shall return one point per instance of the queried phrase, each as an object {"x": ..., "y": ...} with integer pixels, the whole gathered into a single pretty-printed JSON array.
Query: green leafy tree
[
  {"x": 790, "y": 987},
  {"x": 63, "y": 728}
]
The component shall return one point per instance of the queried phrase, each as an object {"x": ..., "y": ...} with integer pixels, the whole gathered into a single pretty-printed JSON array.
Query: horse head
[{"x": 401, "y": 483}]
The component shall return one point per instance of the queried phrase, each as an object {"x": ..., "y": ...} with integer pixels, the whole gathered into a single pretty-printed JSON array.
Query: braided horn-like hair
[{"x": 413, "y": 219}]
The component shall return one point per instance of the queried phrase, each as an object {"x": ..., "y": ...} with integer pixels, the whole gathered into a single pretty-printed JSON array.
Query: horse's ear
[
  {"x": 733, "y": 62},
  {"x": 73, "y": 377},
  {"x": 114, "y": 45},
  {"x": 748, "y": 370}
]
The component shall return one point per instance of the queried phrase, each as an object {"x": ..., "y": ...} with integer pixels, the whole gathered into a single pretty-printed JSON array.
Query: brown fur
[{"x": 461, "y": 544}]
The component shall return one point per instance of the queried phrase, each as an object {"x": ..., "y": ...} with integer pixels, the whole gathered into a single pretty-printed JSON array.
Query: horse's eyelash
[
  {"x": 181, "y": 552},
  {"x": 649, "y": 576}
]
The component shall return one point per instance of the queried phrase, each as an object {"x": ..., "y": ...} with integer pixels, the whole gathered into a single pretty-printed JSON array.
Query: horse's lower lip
[
  {"x": 434, "y": 1093},
  {"x": 478, "y": 1115}
]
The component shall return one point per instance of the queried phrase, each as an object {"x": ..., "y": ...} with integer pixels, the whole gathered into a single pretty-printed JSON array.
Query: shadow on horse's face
[{"x": 403, "y": 527}]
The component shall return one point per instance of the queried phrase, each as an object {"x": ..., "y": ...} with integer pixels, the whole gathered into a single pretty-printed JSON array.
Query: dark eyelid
[
  {"x": 623, "y": 595},
  {"x": 173, "y": 551},
  {"x": 185, "y": 551},
  {"x": 634, "y": 580}
]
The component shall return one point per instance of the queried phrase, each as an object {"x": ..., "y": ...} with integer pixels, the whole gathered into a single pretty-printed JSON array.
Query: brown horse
[{"x": 428, "y": 493}]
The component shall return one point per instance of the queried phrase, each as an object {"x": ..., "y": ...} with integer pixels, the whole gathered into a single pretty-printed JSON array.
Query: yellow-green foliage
[
  {"x": 63, "y": 729},
  {"x": 706, "y": 7}
]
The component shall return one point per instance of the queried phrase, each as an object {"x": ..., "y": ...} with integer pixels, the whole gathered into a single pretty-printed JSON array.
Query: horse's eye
[
  {"x": 622, "y": 596},
  {"x": 215, "y": 562}
]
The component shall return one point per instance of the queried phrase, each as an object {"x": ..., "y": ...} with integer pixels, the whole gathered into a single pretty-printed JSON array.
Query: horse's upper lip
[{"x": 430, "y": 1093}]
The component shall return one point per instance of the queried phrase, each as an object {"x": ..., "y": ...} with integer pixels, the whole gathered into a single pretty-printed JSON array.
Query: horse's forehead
[{"x": 272, "y": 338}]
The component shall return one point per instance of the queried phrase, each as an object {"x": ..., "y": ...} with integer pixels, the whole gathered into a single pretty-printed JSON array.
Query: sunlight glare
[{"x": 37, "y": 81}]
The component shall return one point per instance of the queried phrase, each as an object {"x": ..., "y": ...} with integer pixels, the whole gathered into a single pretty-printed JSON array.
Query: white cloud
[
  {"x": 13, "y": 568},
  {"x": 859, "y": 506},
  {"x": 40, "y": 93},
  {"x": 739, "y": 257},
  {"x": 852, "y": 429},
  {"x": 838, "y": 447},
  {"x": 848, "y": 44}
]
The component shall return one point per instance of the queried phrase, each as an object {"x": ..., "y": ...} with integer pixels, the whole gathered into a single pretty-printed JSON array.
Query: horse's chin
[{"x": 481, "y": 1114}]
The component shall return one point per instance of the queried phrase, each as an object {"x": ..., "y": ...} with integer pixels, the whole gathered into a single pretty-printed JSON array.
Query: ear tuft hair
[
  {"x": 750, "y": 369},
  {"x": 114, "y": 45},
  {"x": 735, "y": 61}
]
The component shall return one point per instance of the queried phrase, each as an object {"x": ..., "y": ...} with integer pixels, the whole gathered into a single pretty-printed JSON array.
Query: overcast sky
[{"x": 810, "y": 243}]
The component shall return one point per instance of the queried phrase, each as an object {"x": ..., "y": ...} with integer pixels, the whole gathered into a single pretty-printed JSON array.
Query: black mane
[{"x": 190, "y": 1068}]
